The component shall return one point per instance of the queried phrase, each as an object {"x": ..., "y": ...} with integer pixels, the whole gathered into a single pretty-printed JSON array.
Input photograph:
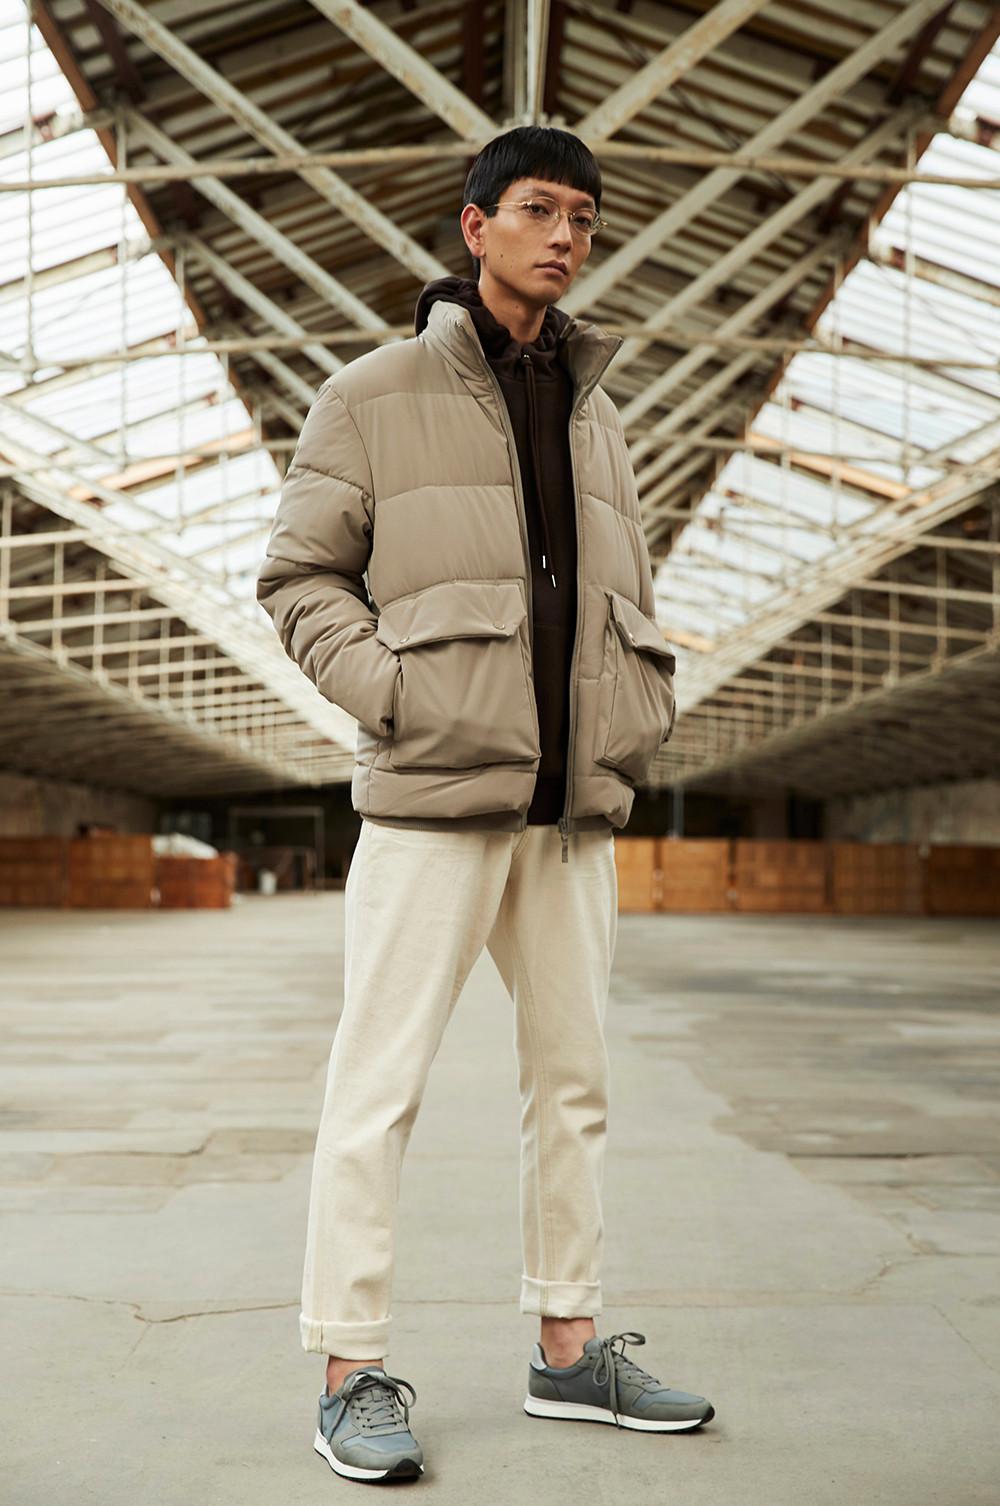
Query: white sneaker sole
[
  {"x": 574, "y": 1411},
  {"x": 404, "y": 1468}
]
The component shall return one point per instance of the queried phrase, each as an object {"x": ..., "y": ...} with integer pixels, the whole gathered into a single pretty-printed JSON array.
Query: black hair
[{"x": 531, "y": 151}]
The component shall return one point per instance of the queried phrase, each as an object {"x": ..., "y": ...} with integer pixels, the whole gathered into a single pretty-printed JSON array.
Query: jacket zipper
[
  {"x": 522, "y": 519},
  {"x": 564, "y": 818},
  {"x": 579, "y": 398},
  {"x": 529, "y": 371}
]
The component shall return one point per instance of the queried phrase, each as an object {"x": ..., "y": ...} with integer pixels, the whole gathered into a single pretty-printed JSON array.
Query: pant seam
[
  {"x": 543, "y": 1108},
  {"x": 365, "y": 859}
]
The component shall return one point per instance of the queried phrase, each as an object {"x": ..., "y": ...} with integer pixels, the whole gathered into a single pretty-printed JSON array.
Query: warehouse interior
[{"x": 205, "y": 211}]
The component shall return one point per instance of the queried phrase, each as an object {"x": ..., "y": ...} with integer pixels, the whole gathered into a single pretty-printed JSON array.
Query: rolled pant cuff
[
  {"x": 560, "y": 1299},
  {"x": 349, "y": 1341}
]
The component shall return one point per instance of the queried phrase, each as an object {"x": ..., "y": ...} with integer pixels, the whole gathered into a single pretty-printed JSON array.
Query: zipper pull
[
  {"x": 564, "y": 831},
  {"x": 526, "y": 356}
]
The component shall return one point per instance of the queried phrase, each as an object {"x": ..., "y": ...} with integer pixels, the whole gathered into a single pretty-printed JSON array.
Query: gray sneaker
[
  {"x": 604, "y": 1386},
  {"x": 361, "y": 1433}
]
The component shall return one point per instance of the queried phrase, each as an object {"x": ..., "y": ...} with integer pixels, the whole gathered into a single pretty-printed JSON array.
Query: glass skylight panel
[
  {"x": 858, "y": 410},
  {"x": 49, "y": 88},
  {"x": 206, "y": 423},
  {"x": 216, "y": 536},
  {"x": 676, "y": 613},
  {"x": 808, "y": 497},
  {"x": 879, "y": 310},
  {"x": 982, "y": 97},
  {"x": 802, "y": 543},
  {"x": 92, "y": 404},
  {"x": 210, "y": 483},
  {"x": 711, "y": 594},
  {"x": 809, "y": 429},
  {"x": 742, "y": 552},
  {"x": 148, "y": 307},
  {"x": 242, "y": 559},
  {"x": 141, "y": 413},
  {"x": 878, "y": 397},
  {"x": 860, "y": 450},
  {"x": 90, "y": 316},
  {"x": 65, "y": 222}
]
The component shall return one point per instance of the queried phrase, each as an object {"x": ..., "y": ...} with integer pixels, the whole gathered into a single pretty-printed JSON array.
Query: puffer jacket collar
[
  {"x": 451, "y": 331},
  {"x": 499, "y": 346}
]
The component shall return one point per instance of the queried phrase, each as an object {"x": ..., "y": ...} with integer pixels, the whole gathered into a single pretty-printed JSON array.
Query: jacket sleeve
[
  {"x": 633, "y": 511},
  {"x": 311, "y": 581},
  {"x": 647, "y": 592}
]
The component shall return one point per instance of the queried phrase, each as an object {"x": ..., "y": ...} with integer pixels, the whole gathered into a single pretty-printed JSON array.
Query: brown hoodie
[{"x": 538, "y": 389}]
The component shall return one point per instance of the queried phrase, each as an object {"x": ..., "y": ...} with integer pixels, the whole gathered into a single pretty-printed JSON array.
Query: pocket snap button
[{"x": 405, "y": 638}]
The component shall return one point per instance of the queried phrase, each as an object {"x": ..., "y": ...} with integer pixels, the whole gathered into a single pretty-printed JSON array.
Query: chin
[{"x": 549, "y": 289}]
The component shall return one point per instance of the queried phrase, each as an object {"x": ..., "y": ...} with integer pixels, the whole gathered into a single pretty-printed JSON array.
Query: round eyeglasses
[{"x": 545, "y": 212}]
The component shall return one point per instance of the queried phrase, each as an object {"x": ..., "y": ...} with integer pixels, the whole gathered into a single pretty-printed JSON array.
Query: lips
[{"x": 553, "y": 266}]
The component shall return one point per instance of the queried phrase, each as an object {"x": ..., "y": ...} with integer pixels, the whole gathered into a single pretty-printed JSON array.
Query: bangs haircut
[{"x": 531, "y": 151}]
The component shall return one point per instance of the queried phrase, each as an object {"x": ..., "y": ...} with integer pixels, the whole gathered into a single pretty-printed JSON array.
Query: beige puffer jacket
[{"x": 407, "y": 469}]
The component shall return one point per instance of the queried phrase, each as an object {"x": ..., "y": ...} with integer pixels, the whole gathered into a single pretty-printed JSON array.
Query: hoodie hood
[{"x": 499, "y": 346}]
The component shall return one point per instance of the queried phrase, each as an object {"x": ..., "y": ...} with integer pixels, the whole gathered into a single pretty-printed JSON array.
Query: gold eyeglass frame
[{"x": 554, "y": 218}]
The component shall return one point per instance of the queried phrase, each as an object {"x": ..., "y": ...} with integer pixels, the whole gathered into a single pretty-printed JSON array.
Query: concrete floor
[{"x": 802, "y": 1201}]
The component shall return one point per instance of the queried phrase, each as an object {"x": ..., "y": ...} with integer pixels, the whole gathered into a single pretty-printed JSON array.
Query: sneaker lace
[
  {"x": 373, "y": 1398},
  {"x": 614, "y": 1365}
]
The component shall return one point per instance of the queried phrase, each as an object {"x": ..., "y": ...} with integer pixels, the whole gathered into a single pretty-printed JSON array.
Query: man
[{"x": 511, "y": 687}]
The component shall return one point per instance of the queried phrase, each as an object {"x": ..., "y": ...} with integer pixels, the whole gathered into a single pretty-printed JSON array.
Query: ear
[{"x": 472, "y": 220}]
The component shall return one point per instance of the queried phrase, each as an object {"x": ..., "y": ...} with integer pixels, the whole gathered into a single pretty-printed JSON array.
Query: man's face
[{"x": 515, "y": 247}]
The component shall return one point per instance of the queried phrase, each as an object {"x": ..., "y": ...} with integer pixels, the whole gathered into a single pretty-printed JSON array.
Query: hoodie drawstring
[{"x": 536, "y": 462}]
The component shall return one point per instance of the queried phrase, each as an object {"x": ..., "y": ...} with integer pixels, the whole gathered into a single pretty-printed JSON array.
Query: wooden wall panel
[
  {"x": 781, "y": 877},
  {"x": 111, "y": 871},
  {"x": 696, "y": 875},
  {"x": 34, "y": 872},
  {"x": 637, "y": 864},
  {"x": 877, "y": 878},
  {"x": 962, "y": 880},
  {"x": 195, "y": 883}
]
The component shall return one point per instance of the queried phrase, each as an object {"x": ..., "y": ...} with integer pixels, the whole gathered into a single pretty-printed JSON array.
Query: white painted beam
[
  {"x": 414, "y": 72},
  {"x": 259, "y": 124}
]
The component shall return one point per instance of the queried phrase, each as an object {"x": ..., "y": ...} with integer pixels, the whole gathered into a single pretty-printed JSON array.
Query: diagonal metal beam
[
  {"x": 181, "y": 585},
  {"x": 821, "y": 583},
  {"x": 587, "y": 292},
  {"x": 259, "y": 302},
  {"x": 143, "y": 132},
  {"x": 742, "y": 319},
  {"x": 663, "y": 71},
  {"x": 934, "y": 692},
  {"x": 710, "y": 394},
  {"x": 536, "y": 51},
  {"x": 414, "y": 72},
  {"x": 259, "y": 124},
  {"x": 743, "y": 251}
]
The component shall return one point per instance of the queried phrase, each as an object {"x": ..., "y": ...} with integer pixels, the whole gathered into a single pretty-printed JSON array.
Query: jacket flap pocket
[
  {"x": 636, "y": 630},
  {"x": 452, "y": 609}
]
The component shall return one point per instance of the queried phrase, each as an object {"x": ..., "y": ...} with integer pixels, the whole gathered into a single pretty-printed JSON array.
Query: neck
[{"x": 523, "y": 318}]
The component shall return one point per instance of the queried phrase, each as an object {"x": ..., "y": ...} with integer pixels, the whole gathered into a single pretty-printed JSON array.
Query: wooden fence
[
  {"x": 693, "y": 875},
  {"x": 110, "y": 871}
]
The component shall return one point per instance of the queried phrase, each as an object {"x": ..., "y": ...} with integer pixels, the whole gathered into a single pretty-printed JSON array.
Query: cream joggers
[{"x": 419, "y": 907}]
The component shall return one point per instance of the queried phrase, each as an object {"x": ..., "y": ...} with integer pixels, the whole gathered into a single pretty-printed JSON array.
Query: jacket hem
[{"x": 506, "y": 821}]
